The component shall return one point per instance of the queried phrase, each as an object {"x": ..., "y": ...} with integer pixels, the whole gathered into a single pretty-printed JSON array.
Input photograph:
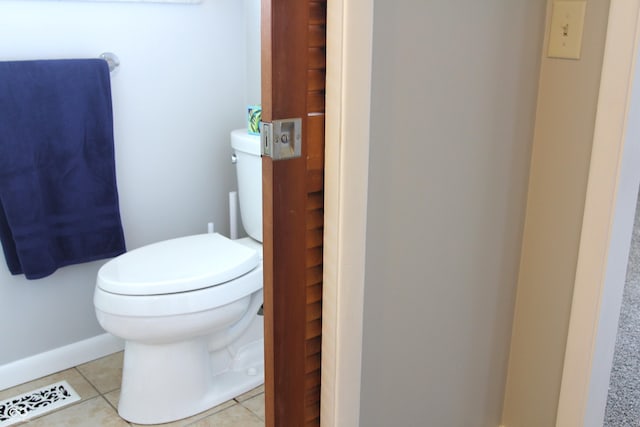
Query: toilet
[{"x": 189, "y": 311}]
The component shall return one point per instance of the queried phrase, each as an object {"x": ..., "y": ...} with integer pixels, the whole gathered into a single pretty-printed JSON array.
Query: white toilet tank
[{"x": 246, "y": 148}]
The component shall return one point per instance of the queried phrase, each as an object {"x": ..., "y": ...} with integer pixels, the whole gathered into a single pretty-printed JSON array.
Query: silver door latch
[{"x": 281, "y": 139}]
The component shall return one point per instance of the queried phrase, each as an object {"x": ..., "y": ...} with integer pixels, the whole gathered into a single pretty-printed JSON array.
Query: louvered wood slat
[
  {"x": 314, "y": 293},
  {"x": 312, "y": 363},
  {"x": 312, "y": 379},
  {"x": 317, "y": 35},
  {"x": 314, "y": 346},
  {"x": 315, "y": 180},
  {"x": 315, "y": 219},
  {"x": 314, "y": 312},
  {"x": 315, "y": 238},
  {"x": 317, "y": 12},
  {"x": 316, "y": 163},
  {"x": 314, "y": 257},
  {"x": 315, "y": 80},
  {"x": 315, "y": 201},
  {"x": 313, "y": 276},
  {"x": 312, "y": 396},
  {"x": 315, "y": 222},
  {"x": 314, "y": 329},
  {"x": 317, "y": 58},
  {"x": 311, "y": 410},
  {"x": 315, "y": 146},
  {"x": 315, "y": 102}
]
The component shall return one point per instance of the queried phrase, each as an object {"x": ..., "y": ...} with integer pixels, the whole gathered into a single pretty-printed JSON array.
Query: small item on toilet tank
[
  {"x": 254, "y": 117},
  {"x": 210, "y": 227}
]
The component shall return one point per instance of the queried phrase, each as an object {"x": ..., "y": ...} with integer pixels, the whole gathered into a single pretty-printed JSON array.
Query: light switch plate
[{"x": 567, "y": 24}]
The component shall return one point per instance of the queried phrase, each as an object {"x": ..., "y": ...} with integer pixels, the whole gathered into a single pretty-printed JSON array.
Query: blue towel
[{"x": 58, "y": 194}]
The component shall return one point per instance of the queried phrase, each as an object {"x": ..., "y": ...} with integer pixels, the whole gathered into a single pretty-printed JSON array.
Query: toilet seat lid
[{"x": 177, "y": 265}]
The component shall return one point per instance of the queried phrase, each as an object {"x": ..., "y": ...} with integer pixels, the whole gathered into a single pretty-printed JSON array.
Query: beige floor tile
[
  {"x": 255, "y": 405},
  {"x": 114, "y": 398},
  {"x": 105, "y": 373},
  {"x": 234, "y": 416},
  {"x": 103, "y": 376},
  {"x": 73, "y": 377},
  {"x": 94, "y": 412},
  {"x": 251, "y": 393}
]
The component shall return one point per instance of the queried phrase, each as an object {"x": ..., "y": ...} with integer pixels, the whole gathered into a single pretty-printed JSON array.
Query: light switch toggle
[{"x": 567, "y": 24}]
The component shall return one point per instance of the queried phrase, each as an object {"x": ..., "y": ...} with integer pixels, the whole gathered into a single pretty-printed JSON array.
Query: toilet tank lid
[
  {"x": 177, "y": 265},
  {"x": 242, "y": 140}
]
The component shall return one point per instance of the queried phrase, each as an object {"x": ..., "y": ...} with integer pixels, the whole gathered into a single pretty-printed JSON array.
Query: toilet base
[{"x": 176, "y": 381}]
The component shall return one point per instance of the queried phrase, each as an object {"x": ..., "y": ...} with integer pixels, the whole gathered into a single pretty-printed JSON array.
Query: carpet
[{"x": 623, "y": 401}]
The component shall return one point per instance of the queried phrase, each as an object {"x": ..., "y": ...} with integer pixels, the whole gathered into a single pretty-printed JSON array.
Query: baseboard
[{"x": 59, "y": 359}]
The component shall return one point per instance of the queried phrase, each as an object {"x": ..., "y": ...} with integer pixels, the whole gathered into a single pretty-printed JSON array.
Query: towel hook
[{"x": 112, "y": 60}]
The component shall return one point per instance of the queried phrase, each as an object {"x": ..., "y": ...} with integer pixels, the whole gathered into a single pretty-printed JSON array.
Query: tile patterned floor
[{"x": 98, "y": 384}]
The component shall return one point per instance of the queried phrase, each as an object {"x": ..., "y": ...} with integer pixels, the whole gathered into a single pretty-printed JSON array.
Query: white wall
[
  {"x": 454, "y": 89},
  {"x": 178, "y": 93},
  {"x": 253, "y": 49}
]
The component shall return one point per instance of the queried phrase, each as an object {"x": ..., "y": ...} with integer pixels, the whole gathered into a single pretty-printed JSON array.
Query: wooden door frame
[
  {"x": 607, "y": 223},
  {"x": 349, "y": 56}
]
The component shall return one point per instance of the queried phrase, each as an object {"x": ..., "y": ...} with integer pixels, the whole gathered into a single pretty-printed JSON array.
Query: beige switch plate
[{"x": 567, "y": 24}]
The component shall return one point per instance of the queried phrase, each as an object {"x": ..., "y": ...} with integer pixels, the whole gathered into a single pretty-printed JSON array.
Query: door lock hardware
[{"x": 281, "y": 139}]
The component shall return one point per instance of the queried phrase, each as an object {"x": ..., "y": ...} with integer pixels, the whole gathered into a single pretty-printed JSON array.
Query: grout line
[
  {"x": 99, "y": 394},
  {"x": 204, "y": 417},
  {"x": 75, "y": 368},
  {"x": 115, "y": 408},
  {"x": 103, "y": 395},
  {"x": 251, "y": 410}
]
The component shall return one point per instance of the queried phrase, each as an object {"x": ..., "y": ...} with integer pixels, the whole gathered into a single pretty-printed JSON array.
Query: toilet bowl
[{"x": 189, "y": 312}]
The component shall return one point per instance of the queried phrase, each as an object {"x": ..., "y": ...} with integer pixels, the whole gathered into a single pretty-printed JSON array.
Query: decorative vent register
[{"x": 37, "y": 402}]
